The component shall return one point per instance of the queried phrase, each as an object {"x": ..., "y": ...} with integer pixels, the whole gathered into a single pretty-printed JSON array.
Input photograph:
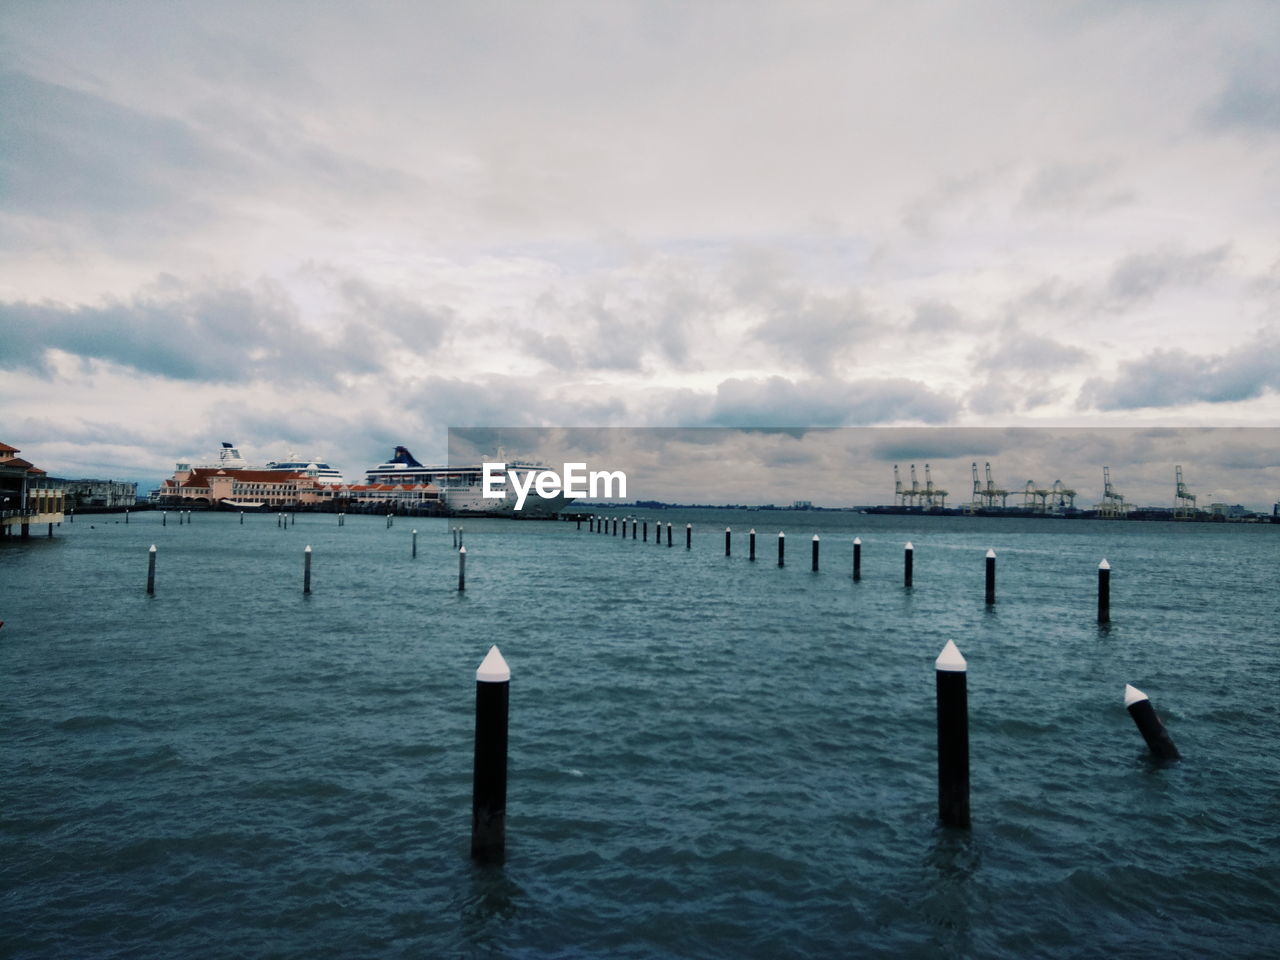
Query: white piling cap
[
  {"x": 858, "y": 540},
  {"x": 991, "y": 554},
  {"x": 308, "y": 550},
  {"x": 726, "y": 530},
  {"x": 1133, "y": 695},
  {"x": 493, "y": 669},
  {"x": 815, "y": 536},
  {"x": 1104, "y": 565},
  {"x": 688, "y": 524},
  {"x": 909, "y": 546},
  {"x": 153, "y": 549},
  {"x": 415, "y": 531},
  {"x": 950, "y": 659},
  {"x": 781, "y": 534},
  {"x": 462, "y": 549},
  {"x": 753, "y": 529}
]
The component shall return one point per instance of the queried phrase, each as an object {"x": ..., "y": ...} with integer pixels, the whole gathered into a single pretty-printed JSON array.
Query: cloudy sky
[{"x": 334, "y": 227}]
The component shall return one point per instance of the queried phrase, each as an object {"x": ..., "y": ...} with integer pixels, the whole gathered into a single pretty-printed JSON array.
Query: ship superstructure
[{"x": 461, "y": 487}]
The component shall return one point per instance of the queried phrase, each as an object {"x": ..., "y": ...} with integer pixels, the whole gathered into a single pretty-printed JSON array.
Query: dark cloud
[
  {"x": 77, "y": 156},
  {"x": 935, "y": 317},
  {"x": 209, "y": 333},
  {"x": 1023, "y": 352},
  {"x": 816, "y": 330},
  {"x": 1250, "y": 99},
  {"x": 418, "y": 327},
  {"x": 1068, "y": 186},
  {"x": 1170, "y": 378},
  {"x": 619, "y": 321},
  {"x": 778, "y": 401},
  {"x": 1140, "y": 277}
]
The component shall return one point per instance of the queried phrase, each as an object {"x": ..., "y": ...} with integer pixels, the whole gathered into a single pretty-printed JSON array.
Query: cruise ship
[
  {"x": 229, "y": 458},
  {"x": 461, "y": 487},
  {"x": 309, "y": 468}
]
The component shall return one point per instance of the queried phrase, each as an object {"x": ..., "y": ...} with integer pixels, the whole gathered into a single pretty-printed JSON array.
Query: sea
[{"x": 709, "y": 757}]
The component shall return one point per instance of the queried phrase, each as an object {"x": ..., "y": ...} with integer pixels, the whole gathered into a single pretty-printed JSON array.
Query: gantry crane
[
  {"x": 1035, "y": 498},
  {"x": 915, "y": 493},
  {"x": 933, "y": 496},
  {"x": 990, "y": 492},
  {"x": 1062, "y": 497},
  {"x": 1184, "y": 503},
  {"x": 1112, "y": 505}
]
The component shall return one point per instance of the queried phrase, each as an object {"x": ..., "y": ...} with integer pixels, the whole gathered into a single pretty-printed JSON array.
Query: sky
[{"x": 330, "y": 228}]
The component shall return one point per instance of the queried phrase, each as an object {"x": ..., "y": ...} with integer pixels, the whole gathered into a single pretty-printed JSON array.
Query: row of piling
[{"x": 601, "y": 524}]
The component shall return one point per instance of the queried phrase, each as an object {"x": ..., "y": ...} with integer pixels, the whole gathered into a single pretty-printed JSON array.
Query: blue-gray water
[{"x": 708, "y": 758}]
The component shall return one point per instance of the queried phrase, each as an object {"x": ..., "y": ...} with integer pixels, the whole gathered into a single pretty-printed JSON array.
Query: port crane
[
  {"x": 1184, "y": 502},
  {"x": 991, "y": 492},
  {"x": 1112, "y": 505},
  {"x": 933, "y": 496},
  {"x": 1062, "y": 497},
  {"x": 1035, "y": 499},
  {"x": 916, "y": 494}
]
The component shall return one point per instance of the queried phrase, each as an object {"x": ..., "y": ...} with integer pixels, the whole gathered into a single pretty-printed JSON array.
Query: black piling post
[
  {"x": 164, "y": 518},
  {"x": 1144, "y": 715},
  {"x": 908, "y": 558},
  {"x": 579, "y": 523},
  {"x": 953, "y": 737},
  {"x": 782, "y": 549},
  {"x": 151, "y": 570},
  {"x": 414, "y": 554},
  {"x": 242, "y": 518},
  {"x": 126, "y": 516},
  {"x": 634, "y": 523},
  {"x": 644, "y": 534},
  {"x": 1104, "y": 592},
  {"x": 857, "y": 558},
  {"x": 462, "y": 568},
  {"x": 688, "y": 536},
  {"x": 615, "y": 526},
  {"x": 991, "y": 576},
  {"x": 489, "y": 773},
  {"x": 751, "y": 544},
  {"x": 728, "y": 542},
  {"x": 306, "y": 569},
  {"x": 668, "y": 533},
  {"x": 815, "y": 553}
]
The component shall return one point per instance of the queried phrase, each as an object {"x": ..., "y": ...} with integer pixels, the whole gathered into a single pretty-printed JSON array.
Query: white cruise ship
[
  {"x": 310, "y": 468},
  {"x": 461, "y": 487},
  {"x": 229, "y": 458}
]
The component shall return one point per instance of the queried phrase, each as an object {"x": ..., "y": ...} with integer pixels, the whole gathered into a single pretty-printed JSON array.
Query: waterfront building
[
  {"x": 394, "y": 497},
  {"x": 203, "y": 487},
  {"x": 100, "y": 494},
  {"x": 27, "y": 494}
]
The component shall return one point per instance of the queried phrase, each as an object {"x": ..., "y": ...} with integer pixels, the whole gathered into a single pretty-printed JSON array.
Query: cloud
[
  {"x": 1140, "y": 277},
  {"x": 778, "y": 402},
  {"x": 1174, "y": 377},
  {"x": 936, "y": 318},
  {"x": 1020, "y": 351},
  {"x": 1067, "y": 186},
  {"x": 80, "y": 157},
  {"x": 1249, "y": 100},
  {"x": 178, "y": 331}
]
